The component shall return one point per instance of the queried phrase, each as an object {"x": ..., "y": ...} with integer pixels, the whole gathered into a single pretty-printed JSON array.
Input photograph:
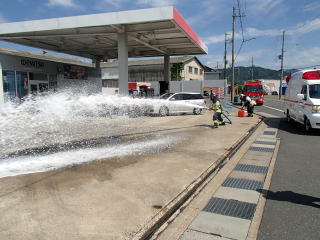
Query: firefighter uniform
[
  {"x": 249, "y": 103},
  {"x": 217, "y": 108}
]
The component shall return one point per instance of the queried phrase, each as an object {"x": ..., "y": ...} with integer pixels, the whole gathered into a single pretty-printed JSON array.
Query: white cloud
[
  {"x": 254, "y": 32},
  {"x": 209, "y": 9},
  {"x": 121, "y": 4},
  {"x": 214, "y": 39},
  {"x": 262, "y": 7},
  {"x": 301, "y": 28},
  {"x": 157, "y": 3},
  {"x": 114, "y": 3},
  {"x": 308, "y": 26},
  {"x": 299, "y": 58},
  {"x": 315, "y": 6},
  {"x": 2, "y": 18},
  {"x": 63, "y": 3}
]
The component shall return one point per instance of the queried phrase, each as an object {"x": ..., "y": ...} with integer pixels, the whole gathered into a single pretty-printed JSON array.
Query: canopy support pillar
[
  {"x": 166, "y": 74},
  {"x": 123, "y": 63}
]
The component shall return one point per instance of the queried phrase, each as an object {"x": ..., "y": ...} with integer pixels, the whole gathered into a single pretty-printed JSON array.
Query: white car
[
  {"x": 302, "y": 99},
  {"x": 182, "y": 102}
]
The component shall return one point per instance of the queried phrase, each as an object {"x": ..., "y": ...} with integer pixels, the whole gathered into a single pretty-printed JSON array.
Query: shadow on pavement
[
  {"x": 290, "y": 196},
  {"x": 293, "y": 127}
]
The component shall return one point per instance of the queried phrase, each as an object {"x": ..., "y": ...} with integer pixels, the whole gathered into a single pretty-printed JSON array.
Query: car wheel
[
  {"x": 197, "y": 111},
  {"x": 289, "y": 119},
  {"x": 307, "y": 125},
  {"x": 164, "y": 111}
]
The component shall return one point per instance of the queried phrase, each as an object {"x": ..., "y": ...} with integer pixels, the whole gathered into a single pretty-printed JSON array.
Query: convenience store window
[
  {"x": 9, "y": 85},
  {"x": 22, "y": 84},
  {"x": 53, "y": 83}
]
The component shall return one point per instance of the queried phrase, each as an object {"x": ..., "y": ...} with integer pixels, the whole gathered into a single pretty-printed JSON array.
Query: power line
[
  {"x": 241, "y": 25},
  {"x": 239, "y": 51},
  {"x": 302, "y": 67}
]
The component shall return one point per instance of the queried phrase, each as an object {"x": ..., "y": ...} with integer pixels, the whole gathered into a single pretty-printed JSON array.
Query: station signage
[{"x": 32, "y": 63}]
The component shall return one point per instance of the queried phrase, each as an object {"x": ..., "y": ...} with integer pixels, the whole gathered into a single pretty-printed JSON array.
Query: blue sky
[{"x": 265, "y": 20}]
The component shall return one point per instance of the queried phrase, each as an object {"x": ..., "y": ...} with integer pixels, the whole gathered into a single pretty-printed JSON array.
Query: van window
[
  {"x": 197, "y": 96},
  {"x": 304, "y": 91},
  {"x": 166, "y": 96},
  {"x": 187, "y": 96},
  {"x": 178, "y": 97},
  {"x": 192, "y": 96},
  {"x": 314, "y": 91}
]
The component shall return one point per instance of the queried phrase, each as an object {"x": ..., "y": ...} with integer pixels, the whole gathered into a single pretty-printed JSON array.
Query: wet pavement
[{"x": 113, "y": 197}]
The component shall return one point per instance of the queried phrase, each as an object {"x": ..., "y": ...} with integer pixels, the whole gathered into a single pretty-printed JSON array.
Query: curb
[{"x": 256, "y": 221}]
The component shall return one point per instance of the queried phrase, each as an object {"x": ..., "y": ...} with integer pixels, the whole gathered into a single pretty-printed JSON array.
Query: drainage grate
[
  {"x": 242, "y": 183},
  {"x": 265, "y": 143},
  {"x": 251, "y": 168},
  {"x": 269, "y": 133},
  {"x": 261, "y": 149},
  {"x": 230, "y": 207}
]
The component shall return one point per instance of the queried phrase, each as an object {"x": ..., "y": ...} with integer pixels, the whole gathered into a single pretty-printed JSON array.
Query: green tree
[
  {"x": 176, "y": 71},
  {"x": 258, "y": 73}
]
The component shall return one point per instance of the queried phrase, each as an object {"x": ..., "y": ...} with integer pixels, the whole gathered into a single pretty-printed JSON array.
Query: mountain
[{"x": 244, "y": 73}]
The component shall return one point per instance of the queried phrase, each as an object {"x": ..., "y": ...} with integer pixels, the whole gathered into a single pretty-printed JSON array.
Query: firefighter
[
  {"x": 217, "y": 108},
  {"x": 249, "y": 103}
]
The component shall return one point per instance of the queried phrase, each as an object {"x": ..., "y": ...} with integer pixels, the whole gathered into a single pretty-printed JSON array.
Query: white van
[
  {"x": 302, "y": 99},
  {"x": 182, "y": 102}
]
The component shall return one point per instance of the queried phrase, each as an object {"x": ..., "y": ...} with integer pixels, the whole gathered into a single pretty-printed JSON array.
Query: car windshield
[
  {"x": 252, "y": 88},
  {"x": 314, "y": 91},
  {"x": 166, "y": 96}
]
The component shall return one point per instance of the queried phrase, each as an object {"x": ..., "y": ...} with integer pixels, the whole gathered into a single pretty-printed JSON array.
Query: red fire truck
[
  {"x": 140, "y": 89},
  {"x": 254, "y": 90}
]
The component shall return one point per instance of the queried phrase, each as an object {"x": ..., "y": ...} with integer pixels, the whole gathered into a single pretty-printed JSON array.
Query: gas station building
[{"x": 100, "y": 37}]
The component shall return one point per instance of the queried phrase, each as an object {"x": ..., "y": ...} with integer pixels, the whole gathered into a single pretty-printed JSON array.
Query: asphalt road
[{"x": 292, "y": 209}]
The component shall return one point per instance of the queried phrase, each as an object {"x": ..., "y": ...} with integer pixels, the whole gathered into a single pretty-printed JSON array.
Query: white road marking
[{"x": 276, "y": 109}]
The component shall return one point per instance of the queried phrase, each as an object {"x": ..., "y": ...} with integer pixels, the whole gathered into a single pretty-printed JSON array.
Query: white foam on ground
[
  {"x": 33, "y": 164},
  {"x": 59, "y": 117}
]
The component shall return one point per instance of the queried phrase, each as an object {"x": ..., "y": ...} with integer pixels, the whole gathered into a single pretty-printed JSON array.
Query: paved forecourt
[{"x": 113, "y": 198}]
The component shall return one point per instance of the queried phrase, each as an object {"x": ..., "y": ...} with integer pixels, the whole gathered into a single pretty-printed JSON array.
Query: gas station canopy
[{"x": 149, "y": 32}]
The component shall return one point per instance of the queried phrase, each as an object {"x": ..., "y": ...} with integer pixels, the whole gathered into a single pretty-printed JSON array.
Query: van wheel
[
  {"x": 164, "y": 111},
  {"x": 197, "y": 111},
  {"x": 307, "y": 125},
  {"x": 289, "y": 119}
]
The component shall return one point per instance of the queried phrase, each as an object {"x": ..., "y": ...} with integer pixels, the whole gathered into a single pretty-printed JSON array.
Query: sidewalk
[{"x": 233, "y": 207}]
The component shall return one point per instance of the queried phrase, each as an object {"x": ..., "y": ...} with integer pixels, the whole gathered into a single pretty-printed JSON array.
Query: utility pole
[
  {"x": 281, "y": 75},
  {"x": 234, "y": 16},
  {"x": 233, "y": 25},
  {"x": 225, "y": 56},
  {"x": 238, "y": 81},
  {"x": 252, "y": 69}
]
